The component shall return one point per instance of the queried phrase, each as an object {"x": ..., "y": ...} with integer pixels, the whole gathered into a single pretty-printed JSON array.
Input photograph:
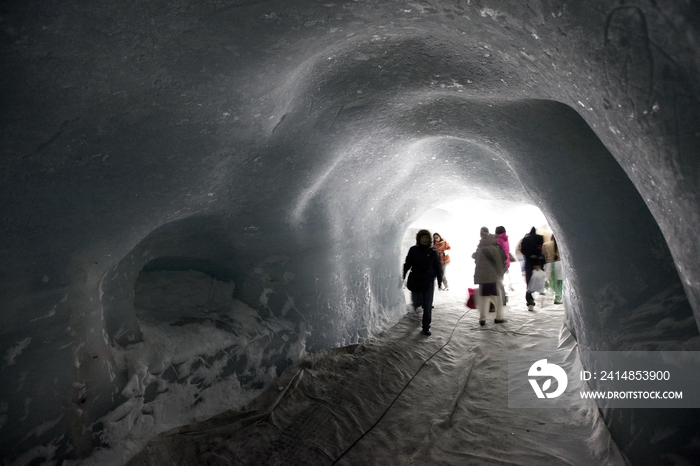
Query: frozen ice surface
[{"x": 202, "y": 353}]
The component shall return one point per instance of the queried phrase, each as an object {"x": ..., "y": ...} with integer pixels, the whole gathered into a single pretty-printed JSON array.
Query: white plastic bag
[
  {"x": 537, "y": 280},
  {"x": 554, "y": 269}
]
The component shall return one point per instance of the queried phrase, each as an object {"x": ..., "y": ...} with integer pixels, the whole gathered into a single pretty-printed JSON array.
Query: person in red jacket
[{"x": 441, "y": 246}]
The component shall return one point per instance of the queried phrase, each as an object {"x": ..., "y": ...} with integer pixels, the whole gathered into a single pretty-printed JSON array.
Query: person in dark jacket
[
  {"x": 423, "y": 262},
  {"x": 531, "y": 249}
]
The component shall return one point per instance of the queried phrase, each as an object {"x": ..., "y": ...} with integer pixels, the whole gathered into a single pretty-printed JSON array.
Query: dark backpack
[{"x": 422, "y": 273}]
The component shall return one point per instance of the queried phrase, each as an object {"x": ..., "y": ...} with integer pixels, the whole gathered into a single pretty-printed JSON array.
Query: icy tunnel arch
[
  {"x": 539, "y": 150},
  {"x": 234, "y": 105},
  {"x": 524, "y": 150},
  {"x": 373, "y": 77}
]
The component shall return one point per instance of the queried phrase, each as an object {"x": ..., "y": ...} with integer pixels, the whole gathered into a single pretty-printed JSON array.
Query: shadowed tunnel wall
[{"x": 289, "y": 144}]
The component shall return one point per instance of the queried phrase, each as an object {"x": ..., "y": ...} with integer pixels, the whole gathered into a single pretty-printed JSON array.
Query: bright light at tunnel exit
[{"x": 459, "y": 222}]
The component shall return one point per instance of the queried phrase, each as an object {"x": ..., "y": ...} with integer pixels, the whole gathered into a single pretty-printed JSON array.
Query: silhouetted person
[
  {"x": 423, "y": 262},
  {"x": 531, "y": 248},
  {"x": 441, "y": 246},
  {"x": 490, "y": 266}
]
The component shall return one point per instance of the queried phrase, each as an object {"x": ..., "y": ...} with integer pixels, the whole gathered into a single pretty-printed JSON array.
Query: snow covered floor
[{"x": 404, "y": 398}]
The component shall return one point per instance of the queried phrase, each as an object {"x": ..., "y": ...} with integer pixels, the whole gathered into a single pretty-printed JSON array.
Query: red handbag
[{"x": 471, "y": 301}]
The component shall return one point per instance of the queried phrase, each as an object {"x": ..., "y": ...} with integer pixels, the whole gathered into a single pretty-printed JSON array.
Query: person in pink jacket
[{"x": 502, "y": 240}]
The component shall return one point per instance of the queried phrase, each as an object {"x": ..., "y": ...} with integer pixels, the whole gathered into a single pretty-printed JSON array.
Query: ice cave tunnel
[{"x": 196, "y": 196}]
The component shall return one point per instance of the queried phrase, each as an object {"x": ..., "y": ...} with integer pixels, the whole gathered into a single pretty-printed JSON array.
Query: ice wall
[{"x": 285, "y": 147}]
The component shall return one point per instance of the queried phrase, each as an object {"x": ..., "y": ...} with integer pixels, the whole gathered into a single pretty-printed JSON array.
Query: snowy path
[{"x": 404, "y": 398}]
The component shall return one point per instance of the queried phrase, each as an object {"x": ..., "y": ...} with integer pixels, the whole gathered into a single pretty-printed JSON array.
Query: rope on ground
[
  {"x": 400, "y": 393},
  {"x": 453, "y": 408}
]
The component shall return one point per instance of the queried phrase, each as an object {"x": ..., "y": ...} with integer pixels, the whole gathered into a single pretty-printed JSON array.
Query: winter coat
[
  {"x": 441, "y": 247},
  {"x": 424, "y": 264},
  {"x": 490, "y": 261},
  {"x": 502, "y": 241},
  {"x": 551, "y": 253},
  {"x": 531, "y": 248},
  {"x": 553, "y": 267}
]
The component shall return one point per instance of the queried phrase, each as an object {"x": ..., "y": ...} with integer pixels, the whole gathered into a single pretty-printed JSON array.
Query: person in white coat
[
  {"x": 490, "y": 266},
  {"x": 553, "y": 269}
]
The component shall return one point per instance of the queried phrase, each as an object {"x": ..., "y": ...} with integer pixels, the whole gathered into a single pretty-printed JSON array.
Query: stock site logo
[{"x": 541, "y": 369}]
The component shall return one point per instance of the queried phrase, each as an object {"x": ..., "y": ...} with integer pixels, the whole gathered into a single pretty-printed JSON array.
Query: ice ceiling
[{"x": 278, "y": 150}]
